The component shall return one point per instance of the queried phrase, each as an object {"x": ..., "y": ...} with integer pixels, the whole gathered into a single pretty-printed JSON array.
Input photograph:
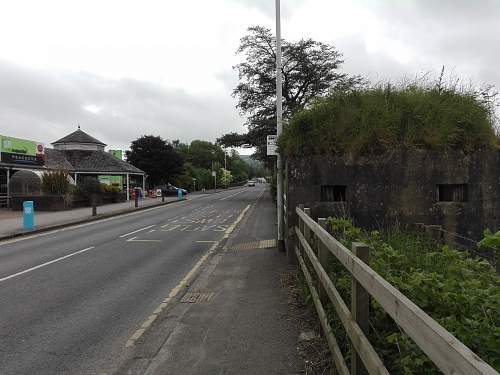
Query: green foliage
[
  {"x": 86, "y": 187},
  {"x": 105, "y": 188},
  {"x": 56, "y": 182},
  {"x": 374, "y": 120},
  {"x": 157, "y": 157},
  {"x": 226, "y": 177},
  {"x": 184, "y": 181},
  {"x": 201, "y": 158},
  {"x": 492, "y": 241},
  {"x": 460, "y": 293},
  {"x": 310, "y": 69},
  {"x": 203, "y": 153}
]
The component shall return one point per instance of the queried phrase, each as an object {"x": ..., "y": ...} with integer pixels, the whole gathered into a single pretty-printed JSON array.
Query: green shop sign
[
  {"x": 21, "y": 151},
  {"x": 111, "y": 180}
]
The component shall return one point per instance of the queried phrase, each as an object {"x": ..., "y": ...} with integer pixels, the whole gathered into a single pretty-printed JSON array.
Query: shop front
[
  {"x": 17, "y": 154},
  {"x": 78, "y": 153}
]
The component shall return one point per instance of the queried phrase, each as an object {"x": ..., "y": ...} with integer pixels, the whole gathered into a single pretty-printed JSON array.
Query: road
[{"x": 71, "y": 299}]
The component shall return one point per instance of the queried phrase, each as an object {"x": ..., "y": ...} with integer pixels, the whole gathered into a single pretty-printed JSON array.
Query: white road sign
[{"x": 271, "y": 144}]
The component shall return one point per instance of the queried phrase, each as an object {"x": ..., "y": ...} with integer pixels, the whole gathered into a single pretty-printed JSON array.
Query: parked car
[
  {"x": 170, "y": 190},
  {"x": 251, "y": 183}
]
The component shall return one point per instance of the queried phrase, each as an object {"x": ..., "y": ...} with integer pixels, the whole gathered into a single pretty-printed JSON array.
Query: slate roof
[
  {"x": 79, "y": 136},
  {"x": 98, "y": 162},
  {"x": 55, "y": 159}
]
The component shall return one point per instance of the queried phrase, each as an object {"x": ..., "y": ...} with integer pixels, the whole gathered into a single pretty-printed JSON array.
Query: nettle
[{"x": 461, "y": 293}]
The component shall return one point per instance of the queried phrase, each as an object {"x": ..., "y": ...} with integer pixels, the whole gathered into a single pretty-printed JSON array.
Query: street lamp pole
[{"x": 279, "y": 127}]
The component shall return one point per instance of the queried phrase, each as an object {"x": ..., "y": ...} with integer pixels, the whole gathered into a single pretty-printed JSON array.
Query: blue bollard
[
  {"x": 179, "y": 193},
  {"x": 28, "y": 215}
]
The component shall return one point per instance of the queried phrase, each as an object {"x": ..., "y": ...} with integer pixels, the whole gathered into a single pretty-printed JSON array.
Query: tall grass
[{"x": 375, "y": 119}]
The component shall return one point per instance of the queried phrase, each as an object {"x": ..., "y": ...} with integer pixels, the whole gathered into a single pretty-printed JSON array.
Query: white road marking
[
  {"x": 46, "y": 264},
  {"x": 232, "y": 195},
  {"x": 134, "y": 239},
  {"x": 135, "y": 231},
  {"x": 207, "y": 241},
  {"x": 182, "y": 284}
]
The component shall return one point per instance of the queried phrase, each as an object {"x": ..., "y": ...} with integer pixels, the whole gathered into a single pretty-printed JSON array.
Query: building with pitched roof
[{"x": 78, "y": 153}]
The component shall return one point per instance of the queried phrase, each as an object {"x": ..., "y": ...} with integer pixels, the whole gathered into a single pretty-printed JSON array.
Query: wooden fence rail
[{"x": 316, "y": 245}]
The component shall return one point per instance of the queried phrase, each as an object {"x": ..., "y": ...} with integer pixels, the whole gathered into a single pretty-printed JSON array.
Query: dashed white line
[
  {"x": 45, "y": 264},
  {"x": 134, "y": 239},
  {"x": 136, "y": 231}
]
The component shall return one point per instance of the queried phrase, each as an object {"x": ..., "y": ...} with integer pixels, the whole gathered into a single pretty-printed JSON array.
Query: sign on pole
[{"x": 271, "y": 144}]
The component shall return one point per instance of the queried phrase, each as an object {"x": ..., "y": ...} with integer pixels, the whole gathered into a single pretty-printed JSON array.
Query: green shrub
[
  {"x": 460, "y": 293},
  {"x": 376, "y": 119},
  {"x": 105, "y": 188},
  {"x": 86, "y": 187},
  {"x": 56, "y": 182},
  {"x": 492, "y": 241}
]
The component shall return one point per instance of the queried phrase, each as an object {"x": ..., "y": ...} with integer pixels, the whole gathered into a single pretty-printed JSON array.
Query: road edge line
[{"x": 186, "y": 280}]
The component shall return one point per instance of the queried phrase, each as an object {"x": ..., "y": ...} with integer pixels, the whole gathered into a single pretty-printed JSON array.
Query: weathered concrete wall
[{"x": 401, "y": 186}]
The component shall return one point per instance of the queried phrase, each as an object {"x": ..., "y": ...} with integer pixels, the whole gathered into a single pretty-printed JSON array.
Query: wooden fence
[{"x": 316, "y": 245}]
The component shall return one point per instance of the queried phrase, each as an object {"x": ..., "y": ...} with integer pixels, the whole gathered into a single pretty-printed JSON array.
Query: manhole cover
[{"x": 197, "y": 297}]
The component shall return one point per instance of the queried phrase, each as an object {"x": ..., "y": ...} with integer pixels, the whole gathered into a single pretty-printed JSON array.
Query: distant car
[{"x": 251, "y": 183}]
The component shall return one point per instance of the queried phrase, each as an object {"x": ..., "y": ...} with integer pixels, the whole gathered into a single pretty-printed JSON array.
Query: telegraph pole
[{"x": 279, "y": 127}]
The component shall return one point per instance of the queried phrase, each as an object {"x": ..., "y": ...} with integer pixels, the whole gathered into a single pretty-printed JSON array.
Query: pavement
[
  {"x": 99, "y": 297},
  {"x": 233, "y": 319}
]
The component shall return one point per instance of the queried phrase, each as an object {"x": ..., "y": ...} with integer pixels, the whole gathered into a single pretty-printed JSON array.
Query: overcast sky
[{"x": 123, "y": 68}]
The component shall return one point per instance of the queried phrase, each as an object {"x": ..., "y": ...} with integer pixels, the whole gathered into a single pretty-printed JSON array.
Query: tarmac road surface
[{"x": 70, "y": 299}]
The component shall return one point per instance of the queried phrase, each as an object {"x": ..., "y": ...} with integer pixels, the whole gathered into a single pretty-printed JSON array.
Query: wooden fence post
[
  {"x": 307, "y": 231},
  {"x": 301, "y": 224},
  {"x": 360, "y": 307},
  {"x": 301, "y": 228},
  {"x": 323, "y": 257}
]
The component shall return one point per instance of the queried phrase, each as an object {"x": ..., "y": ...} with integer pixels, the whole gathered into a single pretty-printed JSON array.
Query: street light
[{"x": 279, "y": 128}]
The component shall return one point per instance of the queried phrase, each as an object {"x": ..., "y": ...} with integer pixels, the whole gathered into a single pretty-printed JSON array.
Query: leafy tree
[
  {"x": 203, "y": 153},
  {"x": 239, "y": 170},
  {"x": 201, "y": 158},
  {"x": 156, "y": 157},
  {"x": 310, "y": 69},
  {"x": 226, "y": 177}
]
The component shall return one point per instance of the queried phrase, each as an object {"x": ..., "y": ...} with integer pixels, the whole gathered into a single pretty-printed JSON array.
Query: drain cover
[
  {"x": 264, "y": 244},
  {"x": 197, "y": 297}
]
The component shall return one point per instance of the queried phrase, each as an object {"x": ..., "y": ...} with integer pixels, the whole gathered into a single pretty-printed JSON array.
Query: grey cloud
[
  {"x": 460, "y": 34},
  {"x": 268, "y": 6},
  {"x": 44, "y": 107}
]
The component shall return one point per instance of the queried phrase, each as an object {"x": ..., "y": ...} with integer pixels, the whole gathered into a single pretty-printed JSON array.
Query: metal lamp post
[{"x": 279, "y": 128}]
